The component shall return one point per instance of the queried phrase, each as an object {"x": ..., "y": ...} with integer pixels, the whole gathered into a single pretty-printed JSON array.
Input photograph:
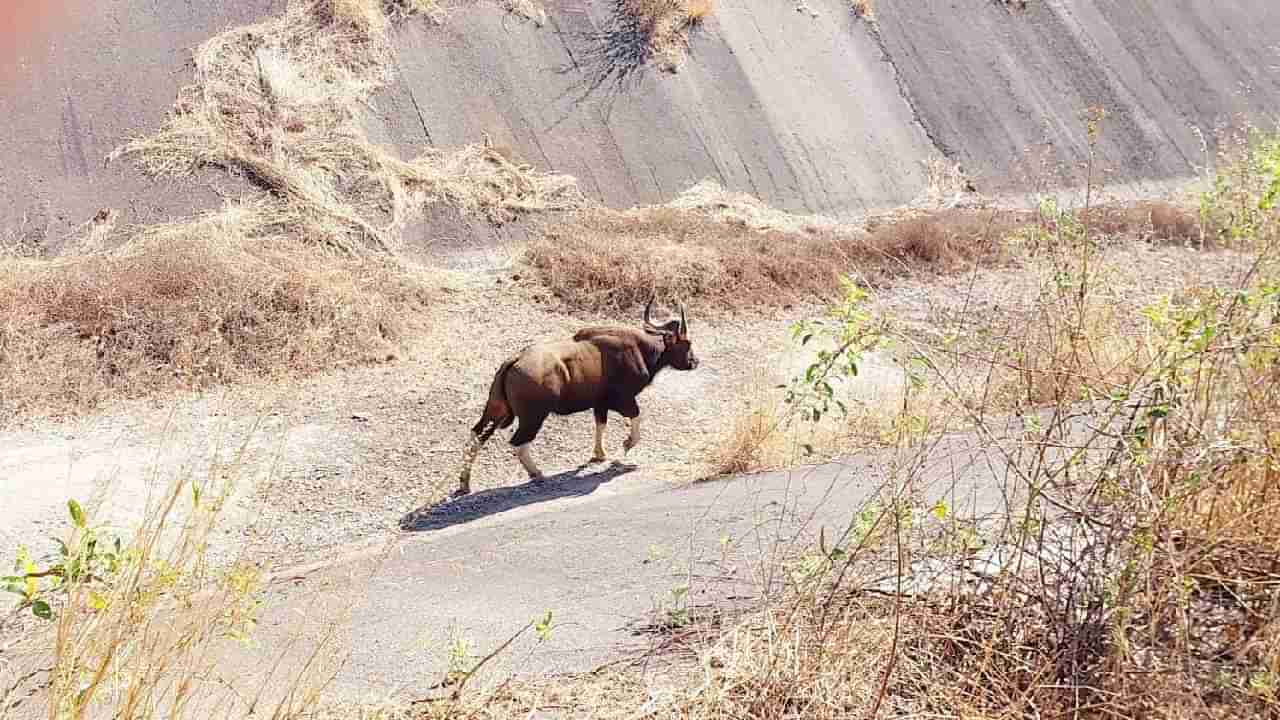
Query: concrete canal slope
[
  {"x": 992, "y": 82},
  {"x": 79, "y": 77},
  {"x": 808, "y": 107}
]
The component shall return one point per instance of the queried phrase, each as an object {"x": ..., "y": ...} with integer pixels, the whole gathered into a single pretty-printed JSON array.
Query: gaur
[{"x": 601, "y": 368}]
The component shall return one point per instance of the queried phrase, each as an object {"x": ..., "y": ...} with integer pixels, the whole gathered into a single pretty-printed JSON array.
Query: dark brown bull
[{"x": 601, "y": 368}]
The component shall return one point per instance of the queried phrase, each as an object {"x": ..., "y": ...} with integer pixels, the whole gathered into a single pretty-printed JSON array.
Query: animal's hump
[{"x": 595, "y": 331}]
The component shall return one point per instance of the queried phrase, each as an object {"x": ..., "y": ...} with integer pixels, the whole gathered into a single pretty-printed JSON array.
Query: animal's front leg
[
  {"x": 634, "y": 437},
  {"x": 520, "y": 440},
  {"x": 522, "y": 454},
  {"x": 630, "y": 410}
]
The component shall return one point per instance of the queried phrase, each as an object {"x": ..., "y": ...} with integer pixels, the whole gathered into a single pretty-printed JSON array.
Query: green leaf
[
  {"x": 77, "y": 513},
  {"x": 939, "y": 510},
  {"x": 805, "y": 340},
  {"x": 41, "y": 609},
  {"x": 73, "y": 569},
  {"x": 15, "y": 585},
  {"x": 97, "y": 601},
  {"x": 23, "y": 563},
  {"x": 543, "y": 627}
]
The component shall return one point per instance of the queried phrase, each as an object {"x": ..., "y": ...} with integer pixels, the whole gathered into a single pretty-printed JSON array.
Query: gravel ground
[{"x": 345, "y": 456}]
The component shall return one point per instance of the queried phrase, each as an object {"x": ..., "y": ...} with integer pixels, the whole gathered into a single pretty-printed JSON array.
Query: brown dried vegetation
[
  {"x": 182, "y": 308},
  {"x": 601, "y": 259}
]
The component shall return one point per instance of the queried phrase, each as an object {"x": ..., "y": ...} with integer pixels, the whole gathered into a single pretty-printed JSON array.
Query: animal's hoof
[
  {"x": 537, "y": 477},
  {"x": 461, "y": 492},
  {"x": 598, "y": 458}
]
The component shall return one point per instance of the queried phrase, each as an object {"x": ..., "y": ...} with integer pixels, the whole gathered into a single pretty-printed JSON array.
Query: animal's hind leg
[
  {"x": 523, "y": 436},
  {"x": 602, "y": 417},
  {"x": 469, "y": 459}
]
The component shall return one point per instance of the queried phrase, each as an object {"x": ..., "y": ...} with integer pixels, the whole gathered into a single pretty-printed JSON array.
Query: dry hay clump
[
  {"x": 190, "y": 306},
  {"x": 279, "y": 102},
  {"x": 1156, "y": 221},
  {"x": 738, "y": 208},
  {"x": 729, "y": 250},
  {"x": 606, "y": 260},
  {"x": 665, "y": 25}
]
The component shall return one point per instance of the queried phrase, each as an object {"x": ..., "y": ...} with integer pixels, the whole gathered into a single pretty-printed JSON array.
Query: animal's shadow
[{"x": 455, "y": 511}]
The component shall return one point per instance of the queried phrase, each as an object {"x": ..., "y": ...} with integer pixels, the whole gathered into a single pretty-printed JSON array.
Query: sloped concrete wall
[
  {"x": 1003, "y": 90},
  {"x": 801, "y": 111},
  {"x": 812, "y": 111},
  {"x": 818, "y": 112},
  {"x": 77, "y": 78}
]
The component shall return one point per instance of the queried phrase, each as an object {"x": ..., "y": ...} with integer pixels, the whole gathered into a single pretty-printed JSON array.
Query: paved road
[{"x": 598, "y": 549}]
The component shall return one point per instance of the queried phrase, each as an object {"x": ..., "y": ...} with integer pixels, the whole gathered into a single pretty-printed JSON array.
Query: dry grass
[
  {"x": 1000, "y": 349},
  {"x": 1140, "y": 547},
  {"x": 699, "y": 10},
  {"x": 364, "y": 16},
  {"x": 789, "y": 661},
  {"x": 711, "y": 199},
  {"x": 189, "y": 306},
  {"x": 607, "y": 260},
  {"x": 138, "y": 627},
  {"x": 665, "y": 25},
  {"x": 864, "y": 9},
  {"x": 280, "y": 103},
  {"x": 254, "y": 289},
  {"x": 1162, "y": 604},
  {"x": 728, "y": 249}
]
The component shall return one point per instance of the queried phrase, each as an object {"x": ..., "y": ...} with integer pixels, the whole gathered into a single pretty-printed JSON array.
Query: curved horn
[
  {"x": 647, "y": 310},
  {"x": 684, "y": 324}
]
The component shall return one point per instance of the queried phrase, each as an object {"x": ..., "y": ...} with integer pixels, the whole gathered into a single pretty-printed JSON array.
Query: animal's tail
[{"x": 497, "y": 411}]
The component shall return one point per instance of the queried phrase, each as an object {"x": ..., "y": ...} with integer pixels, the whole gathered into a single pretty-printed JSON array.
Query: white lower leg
[
  {"x": 522, "y": 453},
  {"x": 598, "y": 450},
  {"x": 634, "y": 437}
]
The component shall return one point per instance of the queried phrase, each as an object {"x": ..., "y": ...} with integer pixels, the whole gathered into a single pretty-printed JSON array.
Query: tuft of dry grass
[
  {"x": 747, "y": 445},
  {"x": 729, "y": 249},
  {"x": 699, "y": 10},
  {"x": 1155, "y": 221},
  {"x": 600, "y": 259},
  {"x": 189, "y": 306},
  {"x": 365, "y": 16},
  {"x": 280, "y": 103},
  {"x": 665, "y": 24}
]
